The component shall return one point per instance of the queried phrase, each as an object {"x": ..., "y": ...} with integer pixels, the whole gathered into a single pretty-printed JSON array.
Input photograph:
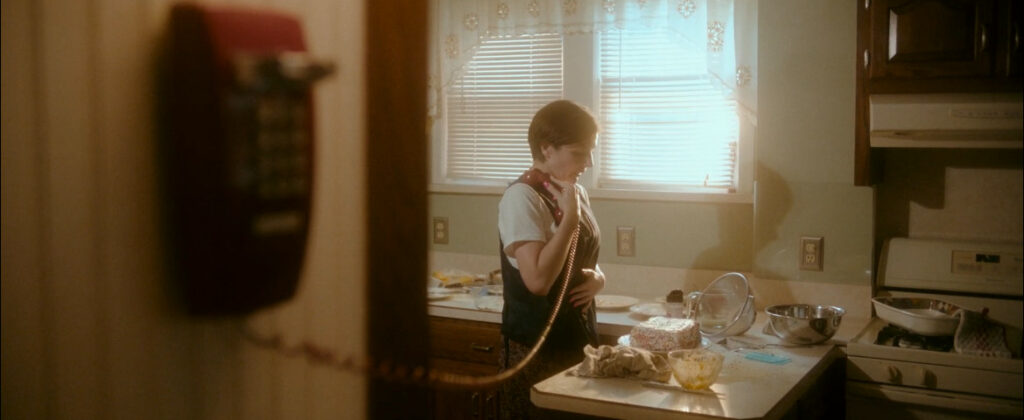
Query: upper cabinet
[
  {"x": 923, "y": 45},
  {"x": 932, "y": 46},
  {"x": 913, "y": 39},
  {"x": 1012, "y": 46}
]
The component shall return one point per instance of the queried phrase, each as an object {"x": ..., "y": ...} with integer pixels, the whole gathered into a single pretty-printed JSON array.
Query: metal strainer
[{"x": 726, "y": 306}]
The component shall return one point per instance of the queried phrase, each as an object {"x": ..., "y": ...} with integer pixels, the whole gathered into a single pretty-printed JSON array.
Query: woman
[{"x": 536, "y": 219}]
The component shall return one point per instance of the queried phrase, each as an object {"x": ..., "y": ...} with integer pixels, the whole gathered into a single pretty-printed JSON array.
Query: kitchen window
[
  {"x": 490, "y": 107},
  {"x": 666, "y": 125},
  {"x": 669, "y": 100}
]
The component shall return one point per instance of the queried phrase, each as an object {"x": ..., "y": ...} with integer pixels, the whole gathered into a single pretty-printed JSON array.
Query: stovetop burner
[{"x": 891, "y": 335}]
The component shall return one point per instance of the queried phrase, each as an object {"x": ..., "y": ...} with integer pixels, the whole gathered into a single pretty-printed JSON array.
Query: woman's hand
[
  {"x": 568, "y": 199},
  {"x": 541, "y": 262},
  {"x": 582, "y": 295}
]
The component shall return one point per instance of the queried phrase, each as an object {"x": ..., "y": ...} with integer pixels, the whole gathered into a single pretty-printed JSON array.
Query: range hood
[{"x": 973, "y": 121}]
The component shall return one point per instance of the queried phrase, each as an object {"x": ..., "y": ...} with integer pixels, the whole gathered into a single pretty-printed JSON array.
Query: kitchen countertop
[
  {"x": 745, "y": 388},
  {"x": 616, "y": 323},
  {"x": 463, "y": 306}
]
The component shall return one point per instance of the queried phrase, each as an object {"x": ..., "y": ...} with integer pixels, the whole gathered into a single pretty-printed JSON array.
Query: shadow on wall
[
  {"x": 967, "y": 194},
  {"x": 773, "y": 201},
  {"x": 739, "y": 244}
]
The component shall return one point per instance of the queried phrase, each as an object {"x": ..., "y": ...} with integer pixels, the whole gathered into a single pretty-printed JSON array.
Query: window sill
[
  {"x": 597, "y": 193},
  {"x": 692, "y": 197},
  {"x": 465, "y": 189}
]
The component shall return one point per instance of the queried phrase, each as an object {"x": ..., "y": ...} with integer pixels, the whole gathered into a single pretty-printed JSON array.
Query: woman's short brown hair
[{"x": 560, "y": 123}]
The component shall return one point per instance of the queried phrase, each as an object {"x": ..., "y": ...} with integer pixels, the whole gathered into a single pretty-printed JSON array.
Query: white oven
[{"x": 899, "y": 367}]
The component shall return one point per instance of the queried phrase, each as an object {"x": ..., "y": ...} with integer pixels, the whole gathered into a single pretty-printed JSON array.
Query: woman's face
[{"x": 568, "y": 162}]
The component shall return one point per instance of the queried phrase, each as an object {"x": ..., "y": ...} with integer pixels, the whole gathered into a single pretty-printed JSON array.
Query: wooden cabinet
[
  {"x": 470, "y": 348},
  {"x": 826, "y": 399},
  {"x": 941, "y": 45},
  {"x": 927, "y": 39},
  {"x": 1012, "y": 32},
  {"x": 931, "y": 46}
]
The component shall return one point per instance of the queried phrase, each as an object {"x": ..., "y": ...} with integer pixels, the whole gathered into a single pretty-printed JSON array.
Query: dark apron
[{"x": 525, "y": 314}]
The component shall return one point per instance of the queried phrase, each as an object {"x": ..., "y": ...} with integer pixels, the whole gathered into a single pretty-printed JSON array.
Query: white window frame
[{"x": 580, "y": 58}]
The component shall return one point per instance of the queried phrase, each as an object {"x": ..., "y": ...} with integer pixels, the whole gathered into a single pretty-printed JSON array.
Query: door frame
[{"x": 396, "y": 219}]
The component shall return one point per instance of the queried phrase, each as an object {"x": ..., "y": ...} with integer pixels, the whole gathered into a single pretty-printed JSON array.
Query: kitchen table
[{"x": 745, "y": 389}]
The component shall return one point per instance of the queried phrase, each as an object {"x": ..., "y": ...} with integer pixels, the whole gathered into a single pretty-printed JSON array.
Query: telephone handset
[
  {"x": 239, "y": 150},
  {"x": 536, "y": 178}
]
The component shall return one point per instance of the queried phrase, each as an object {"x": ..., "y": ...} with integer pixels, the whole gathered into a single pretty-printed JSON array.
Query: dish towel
[
  {"x": 978, "y": 336},
  {"x": 623, "y": 362}
]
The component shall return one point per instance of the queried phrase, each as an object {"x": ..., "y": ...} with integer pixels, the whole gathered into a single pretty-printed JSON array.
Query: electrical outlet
[
  {"x": 626, "y": 241},
  {"x": 440, "y": 230},
  {"x": 812, "y": 252}
]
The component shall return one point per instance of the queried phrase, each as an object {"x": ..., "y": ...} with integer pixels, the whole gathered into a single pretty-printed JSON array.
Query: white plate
[
  {"x": 648, "y": 310},
  {"x": 436, "y": 296},
  {"x": 626, "y": 341},
  {"x": 445, "y": 290},
  {"x": 490, "y": 303},
  {"x": 607, "y": 302}
]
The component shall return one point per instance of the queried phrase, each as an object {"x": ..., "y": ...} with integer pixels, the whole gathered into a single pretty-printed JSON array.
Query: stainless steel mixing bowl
[{"x": 804, "y": 324}]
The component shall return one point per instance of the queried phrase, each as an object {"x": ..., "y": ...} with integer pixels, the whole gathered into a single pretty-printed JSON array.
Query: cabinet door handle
[
  {"x": 1016, "y": 37},
  {"x": 474, "y": 400},
  {"x": 867, "y": 59},
  {"x": 490, "y": 408},
  {"x": 984, "y": 37},
  {"x": 481, "y": 348}
]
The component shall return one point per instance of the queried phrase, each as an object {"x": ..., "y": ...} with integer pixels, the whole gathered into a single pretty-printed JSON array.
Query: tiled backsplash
[{"x": 650, "y": 282}]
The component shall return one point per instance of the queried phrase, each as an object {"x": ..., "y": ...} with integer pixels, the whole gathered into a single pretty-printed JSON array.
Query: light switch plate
[{"x": 812, "y": 253}]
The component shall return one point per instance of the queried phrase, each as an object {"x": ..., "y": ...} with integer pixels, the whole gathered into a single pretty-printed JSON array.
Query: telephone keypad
[{"x": 282, "y": 148}]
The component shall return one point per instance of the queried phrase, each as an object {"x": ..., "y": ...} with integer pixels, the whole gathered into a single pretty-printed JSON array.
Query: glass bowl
[{"x": 695, "y": 368}]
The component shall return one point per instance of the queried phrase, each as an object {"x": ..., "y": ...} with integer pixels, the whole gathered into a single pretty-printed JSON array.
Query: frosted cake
[{"x": 665, "y": 334}]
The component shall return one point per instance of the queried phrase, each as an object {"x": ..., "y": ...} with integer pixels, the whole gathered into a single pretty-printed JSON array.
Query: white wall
[
  {"x": 89, "y": 326},
  {"x": 805, "y": 144}
]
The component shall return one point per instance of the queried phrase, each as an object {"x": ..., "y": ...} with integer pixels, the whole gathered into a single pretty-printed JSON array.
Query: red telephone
[{"x": 239, "y": 150}]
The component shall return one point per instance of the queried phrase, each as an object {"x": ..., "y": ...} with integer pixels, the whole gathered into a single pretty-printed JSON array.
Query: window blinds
[
  {"x": 489, "y": 108},
  {"x": 666, "y": 125}
]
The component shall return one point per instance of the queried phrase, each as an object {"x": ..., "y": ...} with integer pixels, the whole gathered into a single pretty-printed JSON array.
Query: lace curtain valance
[{"x": 726, "y": 30}]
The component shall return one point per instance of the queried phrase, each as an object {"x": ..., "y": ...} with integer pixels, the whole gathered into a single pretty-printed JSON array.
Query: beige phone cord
[{"x": 420, "y": 375}]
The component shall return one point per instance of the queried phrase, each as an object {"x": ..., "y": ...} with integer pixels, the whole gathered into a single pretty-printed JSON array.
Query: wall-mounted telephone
[{"x": 239, "y": 155}]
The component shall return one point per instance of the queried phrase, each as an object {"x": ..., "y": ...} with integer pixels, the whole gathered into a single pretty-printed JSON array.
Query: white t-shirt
[{"x": 523, "y": 216}]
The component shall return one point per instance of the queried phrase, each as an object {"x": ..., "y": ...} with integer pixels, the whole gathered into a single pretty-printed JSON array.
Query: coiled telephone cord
[{"x": 416, "y": 375}]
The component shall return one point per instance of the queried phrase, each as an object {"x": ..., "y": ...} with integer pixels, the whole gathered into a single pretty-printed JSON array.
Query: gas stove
[
  {"x": 892, "y": 335},
  {"x": 881, "y": 341},
  {"x": 892, "y": 371}
]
